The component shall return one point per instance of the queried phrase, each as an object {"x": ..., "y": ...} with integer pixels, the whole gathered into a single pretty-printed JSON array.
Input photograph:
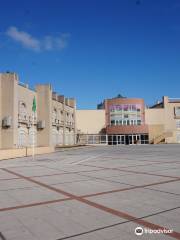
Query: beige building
[
  {"x": 159, "y": 123},
  {"x": 163, "y": 120},
  {"x": 91, "y": 121},
  {"x": 54, "y": 122}
]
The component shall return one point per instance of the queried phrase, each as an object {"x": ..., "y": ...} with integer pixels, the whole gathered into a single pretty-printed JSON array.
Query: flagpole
[{"x": 33, "y": 138}]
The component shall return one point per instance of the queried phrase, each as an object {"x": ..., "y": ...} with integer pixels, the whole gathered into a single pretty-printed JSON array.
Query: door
[
  {"x": 22, "y": 137},
  {"x": 127, "y": 139}
]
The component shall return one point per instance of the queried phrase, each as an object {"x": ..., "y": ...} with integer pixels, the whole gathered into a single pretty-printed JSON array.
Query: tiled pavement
[{"x": 92, "y": 193}]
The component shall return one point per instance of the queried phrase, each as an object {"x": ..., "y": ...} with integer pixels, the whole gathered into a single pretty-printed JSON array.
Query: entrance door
[
  {"x": 122, "y": 139},
  {"x": 130, "y": 139},
  {"x": 127, "y": 139},
  {"x": 136, "y": 139},
  {"x": 118, "y": 139}
]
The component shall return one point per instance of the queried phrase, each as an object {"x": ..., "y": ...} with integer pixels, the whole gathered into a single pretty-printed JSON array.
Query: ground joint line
[
  {"x": 112, "y": 211},
  {"x": 86, "y": 159}
]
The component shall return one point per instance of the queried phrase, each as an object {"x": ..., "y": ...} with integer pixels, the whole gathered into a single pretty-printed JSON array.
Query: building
[
  {"x": 125, "y": 121},
  {"x": 129, "y": 121},
  {"x": 54, "y": 122},
  {"x": 163, "y": 120},
  {"x": 91, "y": 121}
]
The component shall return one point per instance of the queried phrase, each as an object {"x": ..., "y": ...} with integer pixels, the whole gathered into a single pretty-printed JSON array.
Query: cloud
[
  {"x": 57, "y": 43},
  {"x": 47, "y": 43},
  {"x": 24, "y": 38}
]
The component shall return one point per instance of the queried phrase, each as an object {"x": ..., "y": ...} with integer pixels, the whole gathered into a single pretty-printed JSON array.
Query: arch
[{"x": 22, "y": 137}]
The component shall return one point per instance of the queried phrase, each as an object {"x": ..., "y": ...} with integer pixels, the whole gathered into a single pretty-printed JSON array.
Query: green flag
[{"x": 34, "y": 105}]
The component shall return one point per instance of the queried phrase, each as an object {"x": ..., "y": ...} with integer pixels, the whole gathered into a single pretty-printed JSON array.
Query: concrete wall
[
  {"x": 170, "y": 119},
  {"x": 154, "y": 118},
  {"x": 9, "y": 107},
  {"x": 22, "y": 152},
  {"x": 90, "y": 121},
  {"x": 0, "y": 111},
  {"x": 26, "y": 95},
  {"x": 163, "y": 121},
  {"x": 44, "y": 111}
]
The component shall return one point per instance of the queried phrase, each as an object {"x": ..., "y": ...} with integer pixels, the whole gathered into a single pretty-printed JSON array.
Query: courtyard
[{"x": 92, "y": 193}]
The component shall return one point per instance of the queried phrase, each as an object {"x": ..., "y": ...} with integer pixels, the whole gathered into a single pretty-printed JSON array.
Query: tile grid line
[
  {"x": 55, "y": 174},
  {"x": 112, "y": 225},
  {"x": 131, "y": 171},
  {"x": 130, "y": 185},
  {"x": 112, "y": 211},
  {"x": 83, "y": 196}
]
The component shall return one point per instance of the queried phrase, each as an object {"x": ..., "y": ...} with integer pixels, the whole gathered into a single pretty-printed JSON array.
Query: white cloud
[
  {"x": 24, "y": 38},
  {"x": 47, "y": 43}
]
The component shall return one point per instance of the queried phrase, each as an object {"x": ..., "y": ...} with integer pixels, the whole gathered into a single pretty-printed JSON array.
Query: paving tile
[
  {"x": 69, "y": 218},
  {"x": 138, "y": 202}
]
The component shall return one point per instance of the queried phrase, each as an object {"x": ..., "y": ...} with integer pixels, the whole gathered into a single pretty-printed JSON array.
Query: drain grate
[{"x": 2, "y": 236}]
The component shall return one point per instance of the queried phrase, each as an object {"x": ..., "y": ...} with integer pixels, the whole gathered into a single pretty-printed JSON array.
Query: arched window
[
  {"x": 54, "y": 115},
  {"x": 22, "y": 110}
]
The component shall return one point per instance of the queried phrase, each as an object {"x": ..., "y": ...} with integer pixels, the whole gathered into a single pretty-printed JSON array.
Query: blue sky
[{"x": 94, "y": 49}]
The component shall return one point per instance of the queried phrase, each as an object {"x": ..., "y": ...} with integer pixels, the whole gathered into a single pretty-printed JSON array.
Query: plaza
[{"x": 92, "y": 193}]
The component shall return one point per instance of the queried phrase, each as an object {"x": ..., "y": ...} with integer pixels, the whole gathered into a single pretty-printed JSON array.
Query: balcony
[
  {"x": 22, "y": 118},
  {"x": 57, "y": 122}
]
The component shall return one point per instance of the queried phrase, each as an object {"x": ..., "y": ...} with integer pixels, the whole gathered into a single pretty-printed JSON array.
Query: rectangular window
[
  {"x": 178, "y": 124},
  {"x": 138, "y": 122},
  {"x": 112, "y": 122},
  {"x": 177, "y": 111},
  {"x": 124, "y": 122}
]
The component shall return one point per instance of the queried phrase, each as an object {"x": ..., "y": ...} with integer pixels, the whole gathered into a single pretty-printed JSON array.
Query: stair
[{"x": 161, "y": 138}]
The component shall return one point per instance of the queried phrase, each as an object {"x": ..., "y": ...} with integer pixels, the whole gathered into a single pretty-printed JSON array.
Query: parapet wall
[{"x": 24, "y": 152}]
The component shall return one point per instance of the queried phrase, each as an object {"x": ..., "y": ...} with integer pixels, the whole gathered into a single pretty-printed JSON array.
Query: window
[
  {"x": 125, "y": 114},
  {"x": 178, "y": 124},
  {"x": 177, "y": 111},
  {"x": 138, "y": 122},
  {"x": 112, "y": 122},
  {"x": 54, "y": 115}
]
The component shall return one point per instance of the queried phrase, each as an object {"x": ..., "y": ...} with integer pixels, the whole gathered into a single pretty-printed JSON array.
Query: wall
[
  {"x": 26, "y": 128},
  {"x": 170, "y": 120},
  {"x": 162, "y": 120},
  {"x": 90, "y": 121},
  {"x": 143, "y": 128},
  {"x": 155, "y": 119},
  {"x": 9, "y": 107},
  {"x": 0, "y": 111},
  {"x": 44, "y": 112},
  {"x": 23, "y": 152},
  {"x": 26, "y": 95}
]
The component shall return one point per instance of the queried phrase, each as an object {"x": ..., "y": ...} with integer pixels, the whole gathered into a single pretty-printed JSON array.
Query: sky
[{"x": 94, "y": 49}]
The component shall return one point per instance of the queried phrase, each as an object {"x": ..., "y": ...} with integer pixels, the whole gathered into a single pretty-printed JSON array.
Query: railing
[
  {"x": 161, "y": 138},
  {"x": 98, "y": 139}
]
